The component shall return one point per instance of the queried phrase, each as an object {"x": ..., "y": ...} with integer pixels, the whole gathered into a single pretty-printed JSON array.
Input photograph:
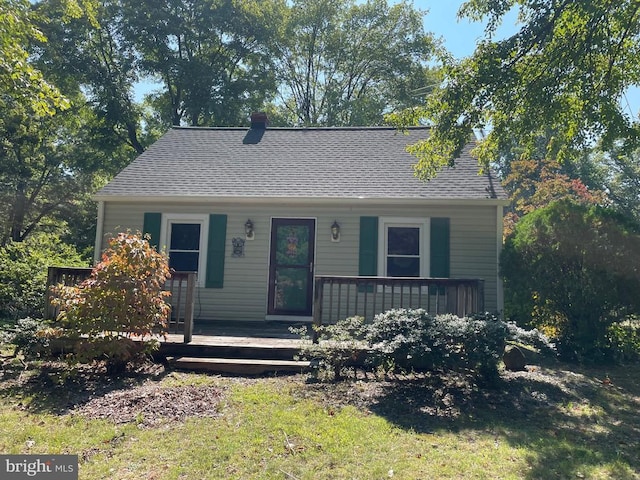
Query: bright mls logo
[{"x": 50, "y": 467}]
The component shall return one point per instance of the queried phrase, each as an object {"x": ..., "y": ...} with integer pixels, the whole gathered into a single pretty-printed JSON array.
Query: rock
[{"x": 514, "y": 358}]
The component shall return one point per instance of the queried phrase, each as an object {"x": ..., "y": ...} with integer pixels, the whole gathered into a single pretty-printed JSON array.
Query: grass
[{"x": 557, "y": 422}]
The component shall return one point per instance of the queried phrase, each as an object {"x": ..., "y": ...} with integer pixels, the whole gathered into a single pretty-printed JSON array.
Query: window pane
[
  {"x": 403, "y": 241},
  {"x": 403, "y": 266},
  {"x": 184, "y": 261},
  {"x": 292, "y": 245},
  {"x": 185, "y": 236}
]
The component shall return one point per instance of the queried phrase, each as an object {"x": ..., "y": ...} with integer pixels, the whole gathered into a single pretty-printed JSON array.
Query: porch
[
  {"x": 334, "y": 298},
  {"x": 256, "y": 347}
]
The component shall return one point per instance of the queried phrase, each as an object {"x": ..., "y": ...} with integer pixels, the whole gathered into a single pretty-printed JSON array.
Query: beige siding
[{"x": 244, "y": 296}]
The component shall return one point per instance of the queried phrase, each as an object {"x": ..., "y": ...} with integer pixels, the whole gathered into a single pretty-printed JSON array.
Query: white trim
[
  {"x": 355, "y": 201},
  {"x": 203, "y": 220},
  {"x": 423, "y": 223},
  {"x": 97, "y": 246}
]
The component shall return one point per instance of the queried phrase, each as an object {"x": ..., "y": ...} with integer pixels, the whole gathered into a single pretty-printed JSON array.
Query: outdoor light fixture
[
  {"x": 248, "y": 230},
  {"x": 335, "y": 231}
]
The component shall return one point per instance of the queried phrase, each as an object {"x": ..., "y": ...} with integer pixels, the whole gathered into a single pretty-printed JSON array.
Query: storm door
[{"x": 291, "y": 266}]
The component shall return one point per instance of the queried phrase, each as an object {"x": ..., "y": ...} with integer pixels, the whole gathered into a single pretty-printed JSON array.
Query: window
[
  {"x": 403, "y": 247},
  {"x": 184, "y": 247},
  {"x": 185, "y": 241}
]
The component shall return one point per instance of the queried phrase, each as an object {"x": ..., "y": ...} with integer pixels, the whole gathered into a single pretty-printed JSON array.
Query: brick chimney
[{"x": 259, "y": 120}]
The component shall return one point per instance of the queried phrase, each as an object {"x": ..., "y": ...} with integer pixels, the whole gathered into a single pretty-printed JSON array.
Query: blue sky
[{"x": 460, "y": 36}]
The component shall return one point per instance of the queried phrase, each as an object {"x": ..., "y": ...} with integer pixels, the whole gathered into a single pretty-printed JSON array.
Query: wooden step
[
  {"x": 238, "y": 366},
  {"x": 250, "y": 350}
]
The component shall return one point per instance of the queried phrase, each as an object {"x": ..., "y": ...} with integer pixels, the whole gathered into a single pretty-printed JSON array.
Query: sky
[{"x": 460, "y": 38}]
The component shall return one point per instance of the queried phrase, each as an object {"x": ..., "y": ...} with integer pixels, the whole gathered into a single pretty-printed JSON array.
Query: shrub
[
  {"x": 28, "y": 336},
  {"x": 23, "y": 273},
  {"x": 624, "y": 340},
  {"x": 413, "y": 340},
  {"x": 339, "y": 347},
  {"x": 122, "y": 300},
  {"x": 575, "y": 269}
]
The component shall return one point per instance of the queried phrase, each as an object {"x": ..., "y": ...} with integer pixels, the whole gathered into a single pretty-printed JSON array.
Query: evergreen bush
[
  {"x": 23, "y": 273},
  {"x": 573, "y": 270},
  {"x": 412, "y": 340}
]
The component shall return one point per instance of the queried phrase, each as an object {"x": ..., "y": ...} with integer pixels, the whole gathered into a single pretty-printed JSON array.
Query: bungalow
[{"x": 260, "y": 212}]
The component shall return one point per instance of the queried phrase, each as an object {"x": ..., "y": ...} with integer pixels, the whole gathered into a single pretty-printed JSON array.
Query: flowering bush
[{"x": 123, "y": 300}]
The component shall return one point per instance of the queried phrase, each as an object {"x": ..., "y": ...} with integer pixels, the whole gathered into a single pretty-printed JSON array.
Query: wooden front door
[{"x": 291, "y": 266}]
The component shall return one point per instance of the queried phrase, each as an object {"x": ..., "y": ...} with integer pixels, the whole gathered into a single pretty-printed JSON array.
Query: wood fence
[
  {"x": 338, "y": 297},
  {"x": 182, "y": 286}
]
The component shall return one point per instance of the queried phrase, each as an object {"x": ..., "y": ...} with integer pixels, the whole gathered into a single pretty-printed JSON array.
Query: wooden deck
[{"x": 247, "y": 348}]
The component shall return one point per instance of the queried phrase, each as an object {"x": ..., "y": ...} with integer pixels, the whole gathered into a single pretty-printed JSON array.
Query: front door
[{"x": 291, "y": 266}]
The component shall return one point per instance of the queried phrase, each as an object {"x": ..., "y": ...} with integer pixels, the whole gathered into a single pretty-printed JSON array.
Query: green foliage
[
  {"x": 624, "y": 340},
  {"x": 413, "y": 340},
  {"x": 340, "y": 346},
  {"x": 212, "y": 56},
  {"x": 535, "y": 184},
  {"x": 23, "y": 272},
  {"x": 531, "y": 86},
  {"x": 20, "y": 81},
  {"x": 347, "y": 63},
  {"x": 122, "y": 300},
  {"x": 574, "y": 270},
  {"x": 28, "y": 337}
]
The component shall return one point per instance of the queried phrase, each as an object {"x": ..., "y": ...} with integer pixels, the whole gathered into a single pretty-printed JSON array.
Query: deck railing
[
  {"x": 341, "y": 297},
  {"x": 182, "y": 286}
]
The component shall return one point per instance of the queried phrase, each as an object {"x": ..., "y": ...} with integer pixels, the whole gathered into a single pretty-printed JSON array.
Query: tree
[
  {"x": 54, "y": 158},
  {"x": 560, "y": 77},
  {"x": 619, "y": 174},
  {"x": 50, "y": 166},
  {"x": 20, "y": 82},
  {"x": 211, "y": 56},
  {"x": 575, "y": 269},
  {"x": 346, "y": 63},
  {"x": 88, "y": 58},
  {"x": 535, "y": 184}
]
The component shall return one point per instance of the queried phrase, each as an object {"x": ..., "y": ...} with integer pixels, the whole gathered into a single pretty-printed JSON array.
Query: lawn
[{"x": 557, "y": 421}]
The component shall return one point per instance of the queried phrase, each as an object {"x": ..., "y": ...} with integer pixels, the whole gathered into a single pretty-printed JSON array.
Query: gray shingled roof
[{"x": 293, "y": 163}]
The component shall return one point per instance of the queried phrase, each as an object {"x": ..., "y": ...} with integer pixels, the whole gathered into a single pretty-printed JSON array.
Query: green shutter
[
  {"x": 368, "y": 263},
  {"x": 215, "y": 251},
  {"x": 440, "y": 248},
  {"x": 368, "y": 258},
  {"x": 151, "y": 226}
]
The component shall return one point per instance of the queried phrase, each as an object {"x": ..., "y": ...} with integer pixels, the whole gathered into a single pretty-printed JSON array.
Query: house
[{"x": 259, "y": 212}]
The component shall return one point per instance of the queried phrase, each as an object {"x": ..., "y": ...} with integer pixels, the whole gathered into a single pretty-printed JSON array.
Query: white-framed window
[
  {"x": 403, "y": 249},
  {"x": 185, "y": 239}
]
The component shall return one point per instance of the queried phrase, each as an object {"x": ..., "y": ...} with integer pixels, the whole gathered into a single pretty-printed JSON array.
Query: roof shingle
[{"x": 363, "y": 162}]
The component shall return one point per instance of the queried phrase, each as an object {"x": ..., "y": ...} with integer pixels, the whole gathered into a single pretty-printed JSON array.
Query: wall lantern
[
  {"x": 335, "y": 231},
  {"x": 248, "y": 230}
]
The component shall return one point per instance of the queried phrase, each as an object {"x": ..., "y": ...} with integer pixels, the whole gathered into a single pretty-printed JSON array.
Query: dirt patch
[
  {"x": 149, "y": 405},
  {"x": 138, "y": 395}
]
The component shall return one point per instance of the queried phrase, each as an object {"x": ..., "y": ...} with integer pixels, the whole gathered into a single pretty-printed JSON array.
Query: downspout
[
  {"x": 97, "y": 248},
  {"x": 499, "y": 244}
]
